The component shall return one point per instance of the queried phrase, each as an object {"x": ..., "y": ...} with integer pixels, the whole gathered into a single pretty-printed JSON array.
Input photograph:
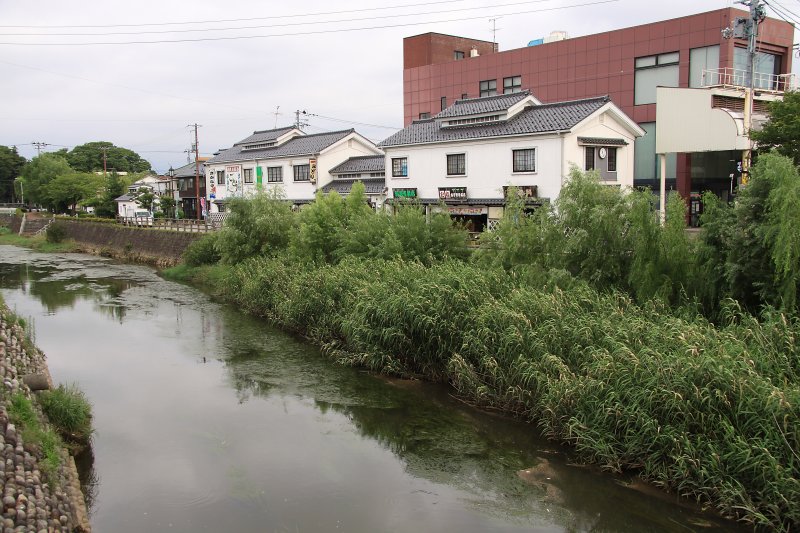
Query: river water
[{"x": 207, "y": 419}]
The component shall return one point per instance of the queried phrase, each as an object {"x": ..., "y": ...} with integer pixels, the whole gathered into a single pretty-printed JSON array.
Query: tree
[
  {"x": 166, "y": 204},
  {"x": 114, "y": 187},
  {"x": 10, "y": 165},
  {"x": 89, "y": 158},
  {"x": 144, "y": 197},
  {"x": 65, "y": 191},
  {"x": 782, "y": 131},
  {"x": 39, "y": 172}
]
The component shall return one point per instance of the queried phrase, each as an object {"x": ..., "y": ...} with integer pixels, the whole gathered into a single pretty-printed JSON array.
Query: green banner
[{"x": 259, "y": 175}]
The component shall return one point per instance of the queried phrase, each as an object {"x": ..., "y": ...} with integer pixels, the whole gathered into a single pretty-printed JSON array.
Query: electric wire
[{"x": 307, "y": 33}]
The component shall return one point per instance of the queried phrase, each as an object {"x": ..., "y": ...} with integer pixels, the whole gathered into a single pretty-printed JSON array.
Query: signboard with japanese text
[
  {"x": 452, "y": 193},
  {"x": 312, "y": 170},
  {"x": 528, "y": 192},
  {"x": 404, "y": 193},
  {"x": 234, "y": 175}
]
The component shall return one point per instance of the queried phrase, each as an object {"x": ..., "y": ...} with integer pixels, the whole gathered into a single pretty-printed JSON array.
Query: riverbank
[
  {"x": 710, "y": 413},
  {"x": 41, "y": 488}
]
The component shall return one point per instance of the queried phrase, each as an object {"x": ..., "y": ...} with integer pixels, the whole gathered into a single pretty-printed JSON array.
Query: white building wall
[
  {"x": 489, "y": 167},
  {"x": 606, "y": 126},
  {"x": 351, "y": 146}
]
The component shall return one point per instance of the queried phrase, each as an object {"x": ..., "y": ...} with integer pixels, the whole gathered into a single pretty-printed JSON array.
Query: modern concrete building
[{"x": 627, "y": 64}]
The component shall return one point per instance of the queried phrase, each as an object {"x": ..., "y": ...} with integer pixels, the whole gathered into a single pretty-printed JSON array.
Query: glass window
[
  {"x": 456, "y": 164},
  {"x": 512, "y": 84},
  {"x": 274, "y": 174},
  {"x": 220, "y": 177},
  {"x": 645, "y": 160},
  {"x": 524, "y": 160},
  {"x": 589, "y": 163},
  {"x": 302, "y": 173},
  {"x": 423, "y": 116},
  {"x": 464, "y": 96},
  {"x": 248, "y": 175},
  {"x": 458, "y": 54},
  {"x": 488, "y": 88},
  {"x": 765, "y": 67},
  {"x": 700, "y": 59},
  {"x": 399, "y": 167},
  {"x": 611, "y": 159},
  {"x": 444, "y": 103},
  {"x": 652, "y": 72}
]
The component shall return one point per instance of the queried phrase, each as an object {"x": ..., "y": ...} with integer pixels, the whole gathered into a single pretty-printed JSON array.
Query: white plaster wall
[
  {"x": 489, "y": 167},
  {"x": 351, "y": 146},
  {"x": 603, "y": 125}
]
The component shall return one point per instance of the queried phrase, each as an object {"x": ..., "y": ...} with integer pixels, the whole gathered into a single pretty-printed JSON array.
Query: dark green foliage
[
  {"x": 39, "y": 172},
  {"x": 782, "y": 131},
  {"x": 203, "y": 251},
  {"x": 68, "y": 409},
  {"x": 55, "y": 233},
  {"x": 114, "y": 187},
  {"x": 11, "y": 164},
  {"x": 89, "y": 158}
]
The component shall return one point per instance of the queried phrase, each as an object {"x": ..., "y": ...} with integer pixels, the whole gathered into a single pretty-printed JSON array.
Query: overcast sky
[{"x": 346, "y": 65}]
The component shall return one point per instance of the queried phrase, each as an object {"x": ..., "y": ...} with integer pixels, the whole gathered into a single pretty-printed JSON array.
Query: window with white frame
[
  {"x": 302, "y": 173},
  {"x": 248, "y": 175},
  {"x": 220, "y": 177},
  {"x": 399, "y": 167},
  {"x": 512, "y": 84},
  {"x": 524, "y": 160},
  {"x": 488, "y": 88},
  {"x": 654, "y": 71},
  {"x": 456, "y": 164},
  {"x": 274, "y": 174}
]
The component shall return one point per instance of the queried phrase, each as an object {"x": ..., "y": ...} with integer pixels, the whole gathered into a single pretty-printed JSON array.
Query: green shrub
[
  {"x": 68, "y": 409},
  {"x": 56, "y": 233},
  {"x": 203, "y": 251}
]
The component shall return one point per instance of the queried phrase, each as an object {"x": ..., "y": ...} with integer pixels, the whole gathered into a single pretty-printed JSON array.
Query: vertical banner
[
  {"x": 203, "y": 206},
  {"x": 312, "y": 170},
  {"x": 259, "y": 176}
]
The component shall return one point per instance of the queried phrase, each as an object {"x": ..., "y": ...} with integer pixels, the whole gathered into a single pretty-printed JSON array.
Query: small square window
[
  {"x": 458, "y": 54},
  {"x": 302, "y": 173},
  {"x": 512, "y": 84},
  {"x": 399, "y": 167},
  {"x": 488, "y": 88},
  {"x": 248, "y": 175},
  {"x": 424, "y": 116},
  {"x": 524, "y": 160},
  {"x": 456, "y": 164},
  {"x": 464, "y": 96}
]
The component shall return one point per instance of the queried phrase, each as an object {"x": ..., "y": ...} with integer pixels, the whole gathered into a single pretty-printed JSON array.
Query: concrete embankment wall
[
  {"x": 154, "y": 246},
  {"x": 30, "y": 502},
  {"x": 11, "y": 222}
]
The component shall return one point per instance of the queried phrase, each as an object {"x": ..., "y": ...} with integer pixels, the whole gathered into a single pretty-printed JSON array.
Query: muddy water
[{"x": 209, "y": 420}]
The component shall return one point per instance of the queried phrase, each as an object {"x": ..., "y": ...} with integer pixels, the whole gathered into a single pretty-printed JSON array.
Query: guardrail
[
  {"x": 737, "y": 79},
  {"x": 186, "y": 225}
]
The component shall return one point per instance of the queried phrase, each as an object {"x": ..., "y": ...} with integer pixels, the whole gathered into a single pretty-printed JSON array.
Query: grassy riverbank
[
  {"x": 708, "y": 412},
  {"x": 37, "y": 242}
]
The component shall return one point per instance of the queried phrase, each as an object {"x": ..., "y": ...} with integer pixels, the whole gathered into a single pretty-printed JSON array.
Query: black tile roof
[
  {"x": 343, "y": 187},
  {"x": 187, "y": 170},
  {"x": 605, "y": 141},
  {"x": 357, "y": 165},
  {"x": 264, "y": 136},
  {"x": 487, "y": 104},
  {"x": 304, "y": 145},
  {"x": 545, "y": 118}
]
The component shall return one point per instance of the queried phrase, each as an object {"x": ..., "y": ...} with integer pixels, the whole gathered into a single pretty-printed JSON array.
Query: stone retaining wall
[
  {"x": 29, "y": 502},
  {"x": 159, "y": 247},
  {"x": 11, "y": 222}
]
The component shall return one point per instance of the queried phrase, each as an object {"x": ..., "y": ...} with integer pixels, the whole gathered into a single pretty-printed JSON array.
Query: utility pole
[
  {"x": 276, "y": 113},
  {"x": 105, "y": 165},
  {"x": 757, "y": 14},
  {"x": 39, "y": 146},
  {"x": 196, "y": 171},
  {"x": 297, "y": 122}
]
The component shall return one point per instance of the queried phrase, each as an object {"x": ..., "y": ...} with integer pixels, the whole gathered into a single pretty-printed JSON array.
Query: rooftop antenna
[
  {"x": 494, "y": 31},
  {"x": 276, "y": 113}
]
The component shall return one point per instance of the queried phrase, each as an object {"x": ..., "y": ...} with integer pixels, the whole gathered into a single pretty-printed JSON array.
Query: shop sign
[
  {"x": 404, "y": 193},
  {"x": 312, "y": 170},
  {"x": 233, "y": 168},
  {"x": 528, "y": 192},
  {"x": 452, "y": 193}
]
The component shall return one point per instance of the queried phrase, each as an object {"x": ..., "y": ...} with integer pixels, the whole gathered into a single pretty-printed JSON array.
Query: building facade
[
  {"x": 464, "y": 158},
  {"x": 369, "y": 170},
  {"x": 285, "y": 158},
  {"x": 626, "y": 64}
]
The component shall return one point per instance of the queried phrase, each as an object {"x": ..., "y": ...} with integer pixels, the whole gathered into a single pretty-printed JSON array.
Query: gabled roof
[
  {"x": 545, "y": 118},
  {"x": 343, "y": 187},
  {"x": 359, "y": 164},
  {"x": 304, "y": 145},
  {"x": 187, "y": 170},
  {"x": 263, "y": 136},
  {"x": 487, "y": 104},
  {"x": 124, "y": 198}
]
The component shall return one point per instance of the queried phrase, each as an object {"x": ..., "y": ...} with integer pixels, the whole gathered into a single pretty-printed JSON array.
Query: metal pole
[
  {"x": 197, "y": 173},
  {"x": 756, "y": 11}
]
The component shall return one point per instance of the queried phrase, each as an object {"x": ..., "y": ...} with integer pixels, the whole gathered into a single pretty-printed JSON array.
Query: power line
[
  {"x": 234, "y": 20},
  {"x": 307, "y": 33},
  {"x": 281, "y": 25}
]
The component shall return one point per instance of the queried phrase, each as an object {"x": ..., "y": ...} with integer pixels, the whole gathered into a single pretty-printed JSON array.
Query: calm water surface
[{"x": 209, "y": 420}]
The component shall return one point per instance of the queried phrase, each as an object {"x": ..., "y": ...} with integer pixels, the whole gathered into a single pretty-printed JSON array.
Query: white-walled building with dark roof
[
  {"x": 369, "y": 170},
  {"x": 469, "y": 153},
  {"x": 284, "y": 158}
]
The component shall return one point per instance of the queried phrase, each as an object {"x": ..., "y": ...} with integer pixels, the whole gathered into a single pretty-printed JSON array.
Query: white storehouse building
[
  {"x": 466, "y": 156},
  {"x": 285, "y": 158}
]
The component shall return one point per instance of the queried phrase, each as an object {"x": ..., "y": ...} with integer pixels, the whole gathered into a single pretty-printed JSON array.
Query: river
[{"x": 207, "y": 419}]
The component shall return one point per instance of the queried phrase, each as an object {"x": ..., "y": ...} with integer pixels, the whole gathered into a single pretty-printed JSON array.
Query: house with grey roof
[
  {"x": 463, "y": 159},
  {"x": 184, "y": 190},
  {"x": 368, "y": 169},
  {"x": 286, "y": 158}
]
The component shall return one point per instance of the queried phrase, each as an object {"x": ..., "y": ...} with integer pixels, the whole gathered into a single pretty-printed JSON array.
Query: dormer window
[{"x": 472, "y": 120}]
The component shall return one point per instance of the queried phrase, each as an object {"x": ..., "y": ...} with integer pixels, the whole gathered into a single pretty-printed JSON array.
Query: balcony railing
[{"x": 731, "y": 78}]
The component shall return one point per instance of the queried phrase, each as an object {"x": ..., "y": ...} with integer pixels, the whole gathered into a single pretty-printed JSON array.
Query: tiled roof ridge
[
  {"x": 365, "y": 156},
  {"x": 524, "y": 93},
  {"x": 604, "y": 98},
  {"x": 274, "y": 129}
]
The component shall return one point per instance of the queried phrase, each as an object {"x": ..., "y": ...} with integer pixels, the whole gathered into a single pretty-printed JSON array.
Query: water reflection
[{"x": 210, "y": 419}]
